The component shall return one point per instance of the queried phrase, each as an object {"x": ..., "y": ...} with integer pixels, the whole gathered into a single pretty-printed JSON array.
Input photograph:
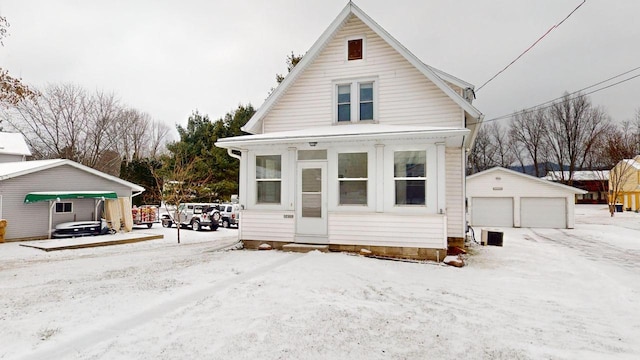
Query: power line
[
  {"x": 541, "y": 107},
  {"x": 531, "y": 46}
]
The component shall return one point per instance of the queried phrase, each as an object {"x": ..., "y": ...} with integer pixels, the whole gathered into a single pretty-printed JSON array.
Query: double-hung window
[
  {"x": 352, "y": 178},
  {"x": 410, "y": 177},
  {"x": 355, "y": 101},
  {"x": 268, "y": 179}
]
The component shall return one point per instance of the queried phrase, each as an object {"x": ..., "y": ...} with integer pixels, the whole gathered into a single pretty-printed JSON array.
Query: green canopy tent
[{"x": 55, "y": 196}]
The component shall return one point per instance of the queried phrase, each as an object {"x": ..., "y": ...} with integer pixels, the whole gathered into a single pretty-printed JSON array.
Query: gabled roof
[
  {"x": 13, "y": 144},
  {"x": 19, "y": 168},
  {"x": 253, "y": 125},
  {"x": 499, "y": 169}
]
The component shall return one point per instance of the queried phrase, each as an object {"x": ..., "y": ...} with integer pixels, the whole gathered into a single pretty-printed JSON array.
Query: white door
[
  {"x": 492, "y": 212},
  {"x": 311, "y": 202},
  {"x": 543, "y": 212}
]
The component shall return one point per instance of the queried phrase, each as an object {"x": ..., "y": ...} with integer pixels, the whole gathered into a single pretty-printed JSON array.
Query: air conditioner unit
[{"x": 491, "y": 237}]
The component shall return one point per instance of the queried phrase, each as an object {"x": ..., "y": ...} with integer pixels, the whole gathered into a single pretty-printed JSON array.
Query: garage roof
[
  {"x": 18, "y": 168},
  {"x": 499, "y": 169}
]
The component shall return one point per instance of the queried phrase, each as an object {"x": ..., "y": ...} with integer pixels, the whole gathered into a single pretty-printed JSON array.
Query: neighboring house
[
  {"x": 13, "y": 147},
  {"x": 506, "y": 198},
  {"x": 624, "y": 182},
  {"x": 36, "y": 195},
  {"x": 594, "y": 182},
  {"x": 361, "y": 146}
]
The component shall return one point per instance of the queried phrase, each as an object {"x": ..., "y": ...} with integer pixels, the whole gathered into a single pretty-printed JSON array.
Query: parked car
[
  {"x": 194, "y": 215},
  {"x": 229, "y": 214},
  {"x": 82, "y": 228}
]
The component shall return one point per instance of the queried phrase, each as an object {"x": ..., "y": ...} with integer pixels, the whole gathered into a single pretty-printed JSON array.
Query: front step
[{"x": 305, "y": 248}]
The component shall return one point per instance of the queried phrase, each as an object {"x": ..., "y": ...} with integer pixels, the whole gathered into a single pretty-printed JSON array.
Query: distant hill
[{"x": 543, "y": 168}]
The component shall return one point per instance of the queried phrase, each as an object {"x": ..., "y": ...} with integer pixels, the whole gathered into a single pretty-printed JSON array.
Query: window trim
[{"x": 355, "y": 99}]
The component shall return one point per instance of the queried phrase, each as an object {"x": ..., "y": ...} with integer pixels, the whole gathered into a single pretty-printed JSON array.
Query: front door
[{"x": 311, "y": 202}]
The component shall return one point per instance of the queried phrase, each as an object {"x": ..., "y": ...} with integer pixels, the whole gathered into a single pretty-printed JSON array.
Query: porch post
[
  {"x": 441, "y": 173},
  {"x": 380, "y": 178},
  {"x": 51, "y": 205}
]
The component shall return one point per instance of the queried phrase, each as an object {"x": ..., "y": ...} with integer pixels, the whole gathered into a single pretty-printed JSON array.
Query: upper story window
[
  {"x": 354, "y": 49},
  {"x": 355, "y": 101},
  {"x": 268, "y": 179},
  {"x": 344, "y": 102}
]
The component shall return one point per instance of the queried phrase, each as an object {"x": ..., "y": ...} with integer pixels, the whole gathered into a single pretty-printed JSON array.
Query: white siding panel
[
  {"x": 455, "y": 192},
  {"x": 405, "y": 96},
  {"x": 267, "y": 225},
  {"x": 384, "y": 229}
]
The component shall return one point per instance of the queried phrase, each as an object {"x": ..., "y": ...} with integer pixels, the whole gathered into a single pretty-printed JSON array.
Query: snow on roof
[
  {"x": 527, "y": 176},
  {"x": 18, "y": 168},
  {"x": 582, "y": 175},
  {"x": 633, "y": 162},
  {"x": 346, "y": 132},
  {"x": 13, "y": 144}
]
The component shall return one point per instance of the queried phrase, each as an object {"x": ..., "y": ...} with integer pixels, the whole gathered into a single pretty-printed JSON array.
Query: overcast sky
[{"x": 168, "y": 58}]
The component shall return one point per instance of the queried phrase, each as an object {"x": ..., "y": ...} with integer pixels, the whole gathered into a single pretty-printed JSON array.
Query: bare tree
[
  {"x": 572, "y": 130},
  {"x": 527, "y": 131},
  {"x": 621, "y": 173},
  {"x": 482, "y": 153},
  {"x": 503, "y": 149},
  {"x": 177, "y": 183},
  {"x": 12, "y": 90}
]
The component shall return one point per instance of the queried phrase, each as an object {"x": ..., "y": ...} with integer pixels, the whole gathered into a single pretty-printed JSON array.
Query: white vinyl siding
[
  {"x": 405, "y": 96},
  {"x": 454, "y": 190},
  {"x": 267, "y": 225},
  {"x": 384, "y": 229}
]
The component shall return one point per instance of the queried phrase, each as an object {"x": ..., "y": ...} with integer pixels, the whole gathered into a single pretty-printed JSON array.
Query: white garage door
[
  {"x": 543, "y": 212},
  {"x": 492, "y": 212}
]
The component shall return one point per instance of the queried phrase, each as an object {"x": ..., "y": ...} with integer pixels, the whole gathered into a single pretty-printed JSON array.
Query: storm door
[{"x": 311, "y": 202}]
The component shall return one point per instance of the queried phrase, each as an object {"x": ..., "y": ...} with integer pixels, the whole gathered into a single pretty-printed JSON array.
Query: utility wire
[
  {"x": 541, "y": 107},
  {"x": 531, "y": 46}
]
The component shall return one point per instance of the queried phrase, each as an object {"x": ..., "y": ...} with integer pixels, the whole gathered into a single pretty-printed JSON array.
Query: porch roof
[
  {"x": 350, "y": 132},
  {"x": 59, "y": 195}
]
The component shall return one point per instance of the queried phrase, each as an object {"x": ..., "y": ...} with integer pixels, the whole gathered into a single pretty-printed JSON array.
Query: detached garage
[{"x": 505, "y": 198}]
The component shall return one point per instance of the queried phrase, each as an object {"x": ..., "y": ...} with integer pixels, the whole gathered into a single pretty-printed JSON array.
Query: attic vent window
[{"x": 354, "y": 49}]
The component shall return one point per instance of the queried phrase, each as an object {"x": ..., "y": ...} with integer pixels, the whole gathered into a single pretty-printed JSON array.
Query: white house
[
  {"x": 507, "y": 198},
  {"x": 361, "y": 146},
  {"x": 13, "y": 147}
]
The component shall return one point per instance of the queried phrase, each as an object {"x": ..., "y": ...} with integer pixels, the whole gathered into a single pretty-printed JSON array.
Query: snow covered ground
[{"x": 546, "y": 294}]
